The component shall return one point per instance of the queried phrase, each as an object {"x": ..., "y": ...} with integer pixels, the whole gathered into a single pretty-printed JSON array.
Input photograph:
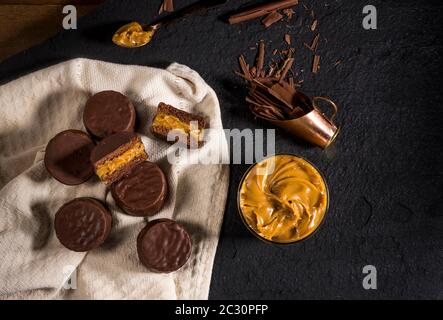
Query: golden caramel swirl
[{"x": 283, "y": 198}]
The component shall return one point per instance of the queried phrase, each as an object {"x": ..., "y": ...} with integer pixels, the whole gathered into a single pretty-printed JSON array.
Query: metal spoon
[{"x": 134, "y": 34}]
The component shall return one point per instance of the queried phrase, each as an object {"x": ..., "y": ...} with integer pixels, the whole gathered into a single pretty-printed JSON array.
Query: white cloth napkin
[{"x": 33, "y": 263}]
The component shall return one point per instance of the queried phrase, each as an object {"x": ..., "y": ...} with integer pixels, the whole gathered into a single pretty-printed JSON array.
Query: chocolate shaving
[
  {"x": 289, "y": 13},
  {"x": 314, "y": 25},
  {"x": 287, "y": 65},
  {"x": 288, "y": 39},
  {"x": 314, "y": 44},
  {"x": 315, "y": 64},
  {"x": 253, "y": 71},
  {"x": 166, "y": 6},
  {"x": 272, "y": 18},
  {"x": 337, "y": 63},
  {"x": 260, "y": 57},
  {"x": 261, "y": 10},
  {"x": 244, "y": 67}
]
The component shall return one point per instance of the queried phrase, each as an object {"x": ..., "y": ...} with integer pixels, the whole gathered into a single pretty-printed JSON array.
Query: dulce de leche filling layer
[
  {"x": 168, "y": 121},
  {"x": 112, "y": 165},
  {"x": 283, "y": 198}
]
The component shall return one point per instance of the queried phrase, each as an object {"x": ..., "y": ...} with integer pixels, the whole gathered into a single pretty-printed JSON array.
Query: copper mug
[{"x": 314, "y": 127}]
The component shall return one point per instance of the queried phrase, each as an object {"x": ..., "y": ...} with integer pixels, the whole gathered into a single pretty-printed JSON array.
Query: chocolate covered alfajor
[
  {"x": 116, "y": 155},
  {"x": 164, "y": 246},
  {"x": 142, "y": 191},
  {"x": 108, "y": 112},
  {"x": 67, "y": 157},
  {"x": 82, "y": 224}
]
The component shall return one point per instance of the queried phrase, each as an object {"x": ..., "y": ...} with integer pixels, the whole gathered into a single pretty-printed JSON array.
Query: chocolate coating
[
  {"x": 82, "y": 224},
  {"x": 143, "y": 191},
  {"x": 67, "y": 157},
  {"x": 108, "y": 112},
  {"x": 164, "y": 246},
  {"x": 110, "y": 144}
]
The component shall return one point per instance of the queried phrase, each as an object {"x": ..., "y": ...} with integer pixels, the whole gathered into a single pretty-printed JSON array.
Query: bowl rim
[{"x": 251, "y": 230}]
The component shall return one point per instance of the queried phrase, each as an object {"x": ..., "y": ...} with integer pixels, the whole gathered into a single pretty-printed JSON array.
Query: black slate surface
[{"x": 384, "y": 171}]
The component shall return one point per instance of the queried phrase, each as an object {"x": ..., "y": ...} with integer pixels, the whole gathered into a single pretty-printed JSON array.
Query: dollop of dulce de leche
[
  {"x": 132, "y": 35},
  {"x": 283, "y": 198}
]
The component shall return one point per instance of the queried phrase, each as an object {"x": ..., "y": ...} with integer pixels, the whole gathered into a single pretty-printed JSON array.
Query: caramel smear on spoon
[{"x": 133, "y": 35}]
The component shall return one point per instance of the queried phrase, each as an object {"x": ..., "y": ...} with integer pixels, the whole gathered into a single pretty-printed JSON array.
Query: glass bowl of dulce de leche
[{"x": 283, "y": 199}]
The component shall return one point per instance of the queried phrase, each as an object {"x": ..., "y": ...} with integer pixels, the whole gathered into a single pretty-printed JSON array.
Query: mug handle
[{"x": 331, "y": 103}]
